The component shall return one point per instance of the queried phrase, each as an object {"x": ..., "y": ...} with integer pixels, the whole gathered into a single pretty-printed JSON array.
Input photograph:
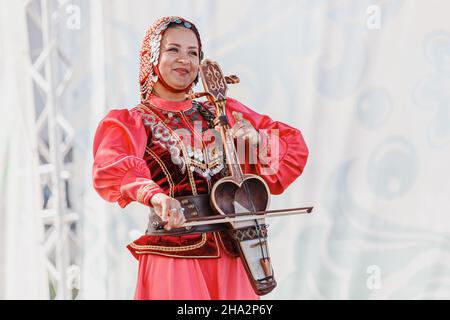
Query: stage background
[{"x": 370, "y": 93}]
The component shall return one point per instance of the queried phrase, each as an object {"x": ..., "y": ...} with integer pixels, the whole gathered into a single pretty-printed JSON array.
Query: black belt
[{"x": 194, "y": 207}]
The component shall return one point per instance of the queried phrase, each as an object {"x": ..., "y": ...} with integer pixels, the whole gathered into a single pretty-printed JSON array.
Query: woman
[{"x": 141, "y": 155}]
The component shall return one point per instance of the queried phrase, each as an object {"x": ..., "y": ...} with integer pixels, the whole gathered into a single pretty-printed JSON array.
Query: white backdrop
[
  {"x": 371, "y": 97},
  {"x": 22, "y": 271}
]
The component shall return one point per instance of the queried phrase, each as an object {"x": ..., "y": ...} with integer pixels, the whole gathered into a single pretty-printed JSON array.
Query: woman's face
[{"x": 179, "y": 57}]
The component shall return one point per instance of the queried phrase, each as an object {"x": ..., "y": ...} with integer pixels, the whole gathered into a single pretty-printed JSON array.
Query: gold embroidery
[
  {"x": 144, "y": 190},
  {"x": 164, "y": 169},
  {"x": 185, "y": 153},
  {"x": 169, "y": 249},
  {"x": 207, "y": 168},
  {"x": 178, "y": 256}
]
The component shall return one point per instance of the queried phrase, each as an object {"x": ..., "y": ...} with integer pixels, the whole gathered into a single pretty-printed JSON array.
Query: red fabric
[
  {"x": 198, "y": 245},
  {"x": 134, "y": 153},
  {"x": 292, "y": 155},
  {"x": 164, "y": 278},
  {"x": 119, "y": 170}
]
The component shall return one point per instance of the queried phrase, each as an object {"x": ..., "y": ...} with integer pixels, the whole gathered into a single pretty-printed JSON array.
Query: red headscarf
[{"x": 149, "y": 73}]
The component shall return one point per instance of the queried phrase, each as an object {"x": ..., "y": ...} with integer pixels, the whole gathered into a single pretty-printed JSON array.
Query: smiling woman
[
  {"x": 141, "y": 155},
  {"x": 178, "y": 64}
]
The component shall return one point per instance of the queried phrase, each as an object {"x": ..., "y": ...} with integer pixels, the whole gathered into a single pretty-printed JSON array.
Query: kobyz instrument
[{"x": 239, "y": 192}]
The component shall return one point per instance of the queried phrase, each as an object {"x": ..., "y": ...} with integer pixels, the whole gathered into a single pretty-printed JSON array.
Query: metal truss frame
[{"x": 51, "y": 72}]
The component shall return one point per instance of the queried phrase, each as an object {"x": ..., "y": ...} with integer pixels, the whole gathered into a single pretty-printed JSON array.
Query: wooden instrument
[{"x": 241, "y": 200}]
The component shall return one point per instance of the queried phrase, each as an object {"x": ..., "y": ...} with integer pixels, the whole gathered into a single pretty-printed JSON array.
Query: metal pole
[{"x": 51, "y": 127}]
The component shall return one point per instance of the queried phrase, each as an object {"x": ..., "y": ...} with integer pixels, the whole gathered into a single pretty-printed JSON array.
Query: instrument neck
[{"x": 232, "y": 158}]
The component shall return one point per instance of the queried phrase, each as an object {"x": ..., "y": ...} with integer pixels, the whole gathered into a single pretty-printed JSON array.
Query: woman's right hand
[{"x": 169, "y": 210}]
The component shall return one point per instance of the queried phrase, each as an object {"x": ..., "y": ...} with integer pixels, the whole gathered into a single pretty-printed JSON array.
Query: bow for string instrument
[{"x": 240, "y": 200}]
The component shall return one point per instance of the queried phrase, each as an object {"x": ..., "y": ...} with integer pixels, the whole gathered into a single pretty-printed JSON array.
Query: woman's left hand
[{"x": 244, "y": 129}]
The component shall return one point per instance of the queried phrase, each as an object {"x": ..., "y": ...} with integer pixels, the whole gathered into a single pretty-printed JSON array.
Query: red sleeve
[
  {"x": 281, "y": 154},
  {"x": 119, "y": 172}
]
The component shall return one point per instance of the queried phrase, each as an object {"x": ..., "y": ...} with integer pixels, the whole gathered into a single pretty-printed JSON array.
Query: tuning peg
[{"x": 232, "y": 79}]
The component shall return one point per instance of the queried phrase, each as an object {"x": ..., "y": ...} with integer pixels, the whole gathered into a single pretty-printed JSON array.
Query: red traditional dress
[
  {"x": 139, "y": 153},
  {"x": 161, "y": 146}
]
